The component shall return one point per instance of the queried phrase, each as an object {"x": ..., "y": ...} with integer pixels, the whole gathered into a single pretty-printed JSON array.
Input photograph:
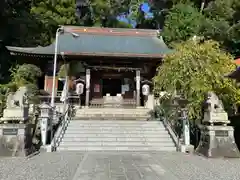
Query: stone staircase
[
  {"x": 140, "y": 113},
  {"x": 116, "y": 135}
]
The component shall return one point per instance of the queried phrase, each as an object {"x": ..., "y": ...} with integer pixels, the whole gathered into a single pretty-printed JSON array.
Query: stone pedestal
[
  {"x": 15, "y": 140},
  {"x": 216, "y": 117},
  {"x": 217, "y": 141},
  {"x": 16, "y": 115}
]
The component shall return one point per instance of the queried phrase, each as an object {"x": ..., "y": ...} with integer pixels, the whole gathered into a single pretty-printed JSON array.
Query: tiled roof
[{"x": 104, "y": 42}]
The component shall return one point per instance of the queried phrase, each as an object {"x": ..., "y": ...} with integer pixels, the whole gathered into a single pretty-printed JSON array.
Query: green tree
[
  {"x": 194, "y": 69},
  {"x": 21, "y": 75},
  {"x": 98, "y": 13},
  {"x": 182, "y": 22},
  {"x": 223, "y": 24},
  {"x": 71, "y": 69},
  {"x": 52, "y": 15},
  {"x": 25, "y": 74},
  {"x": 18, "y": 27},
  {"x": 5, "y": 64}
]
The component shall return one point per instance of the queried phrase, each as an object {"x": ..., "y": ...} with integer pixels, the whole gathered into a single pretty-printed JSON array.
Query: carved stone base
[
  {"x": 15, "y": 140},
  {"x": 15, "y": 115},
  {"x": 217, "y": 141},
  {"x": 215, "y": 117}
]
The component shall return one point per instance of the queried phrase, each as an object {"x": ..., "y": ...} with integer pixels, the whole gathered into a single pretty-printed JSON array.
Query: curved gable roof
[{"x": 103, "y": 42}]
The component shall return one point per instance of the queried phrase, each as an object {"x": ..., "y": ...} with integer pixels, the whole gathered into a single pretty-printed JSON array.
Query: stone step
[
  {"x": 108, "y": 127},
  {"x": 110, "y": 117},
  {"x": 116, "y": 135},
  {"x": 114, "y": 131},
  {"x": 143, "y": 118},
  {"x": 72, "y": 135},
  {"x": 115, "y": 139},
  {"x": 113, "y": 109},
  {"x": 113, "y": 113},
  {"x": 123, "y": 148},
  {"x": 117, "y": 144},
  {"x": 116, "y": 128},
  {"x": 117, "y": 122}
]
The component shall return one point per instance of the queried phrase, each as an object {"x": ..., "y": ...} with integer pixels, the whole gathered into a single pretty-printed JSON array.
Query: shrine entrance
[{"x": 111, "y": 86}]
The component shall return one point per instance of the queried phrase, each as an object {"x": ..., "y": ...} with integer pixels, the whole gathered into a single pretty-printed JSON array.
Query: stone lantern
[
  {"x": 45, "y": 118},
  {"x": 181, "y": 102}
]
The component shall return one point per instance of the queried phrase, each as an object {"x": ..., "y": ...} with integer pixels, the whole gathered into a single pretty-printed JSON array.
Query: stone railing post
[
  {"x": 45, "y": 118},
  {"x": 138, "y": 87},
  {"x": 186, "y": 128},
  {"x": 88, "y": 77}
]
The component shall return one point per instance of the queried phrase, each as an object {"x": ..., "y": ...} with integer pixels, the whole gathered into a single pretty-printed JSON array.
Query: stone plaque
[
  {"x": 10, "y": 131},
  {"x": 219, "y": 116},
  {"x": 221, "y": 133},
  {"x": 215, "y": 117}
]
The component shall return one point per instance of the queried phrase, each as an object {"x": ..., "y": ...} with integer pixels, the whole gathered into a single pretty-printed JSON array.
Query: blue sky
[{"x": 145, "y": 8}]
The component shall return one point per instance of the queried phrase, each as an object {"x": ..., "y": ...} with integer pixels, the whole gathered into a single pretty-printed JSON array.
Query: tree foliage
[
  {"x": 21, "y": 75},
  {"x": 223, "y": 24},
  {"x": 25, "y": 74},
  {"x": 219, "y": 20},
  {"x": 194, "y": 69},
  {"x": 18, "y": 26},
  {"x": 182, "y": 22},
  {"x": 52, "y": 15},
  {"x": 71, "y": 69}
]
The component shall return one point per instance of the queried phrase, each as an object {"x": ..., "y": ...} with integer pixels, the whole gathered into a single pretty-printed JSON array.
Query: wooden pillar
[
  {"x": 87, "y": 87},
  {"x": 138, "y": 87},
  {"x": 48, "y": 81}
]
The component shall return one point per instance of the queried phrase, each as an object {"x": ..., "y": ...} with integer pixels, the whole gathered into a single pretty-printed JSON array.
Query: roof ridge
[{"x": 109, "y": 31}]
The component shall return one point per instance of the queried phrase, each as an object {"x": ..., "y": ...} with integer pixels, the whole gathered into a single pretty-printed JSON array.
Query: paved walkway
[{"x": 118, "y": 166}]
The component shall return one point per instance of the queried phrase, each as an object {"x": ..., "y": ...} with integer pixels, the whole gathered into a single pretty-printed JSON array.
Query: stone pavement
[{"x": 118, "y": 166}]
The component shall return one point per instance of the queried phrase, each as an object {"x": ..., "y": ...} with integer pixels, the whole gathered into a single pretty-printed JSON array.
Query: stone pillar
[
  {"x": 45, "y": 118},
  {"x": 138, "y": 87},
  {"x": 87, "y": 87},
  {"x": 186, "y": 129}
]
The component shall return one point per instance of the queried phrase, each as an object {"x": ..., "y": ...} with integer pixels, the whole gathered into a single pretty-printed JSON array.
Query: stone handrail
[
  {"x": 173, "y": 131},
  {"x": 62, "y": 128},
  {"x": 47, "y": 98}
]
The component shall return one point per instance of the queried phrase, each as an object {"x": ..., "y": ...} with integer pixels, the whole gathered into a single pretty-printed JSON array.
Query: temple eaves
[{"x": 97, "y": 41}]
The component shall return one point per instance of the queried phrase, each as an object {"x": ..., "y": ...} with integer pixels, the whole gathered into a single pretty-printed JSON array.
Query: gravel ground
[
  {"x": 118, "y": 166},
  {"x": 45, "y": 166}
]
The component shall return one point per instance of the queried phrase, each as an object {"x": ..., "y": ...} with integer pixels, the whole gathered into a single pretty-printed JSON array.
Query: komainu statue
[
  {"x": 18, "y": 99},
  {"x": 213, "y": 103}
]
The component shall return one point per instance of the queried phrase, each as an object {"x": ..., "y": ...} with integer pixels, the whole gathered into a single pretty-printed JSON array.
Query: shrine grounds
[{"x": 118, "y": 166}]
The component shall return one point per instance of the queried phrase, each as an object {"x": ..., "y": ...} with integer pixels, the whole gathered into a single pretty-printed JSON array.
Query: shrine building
[{"x": 110, "y": 62}]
